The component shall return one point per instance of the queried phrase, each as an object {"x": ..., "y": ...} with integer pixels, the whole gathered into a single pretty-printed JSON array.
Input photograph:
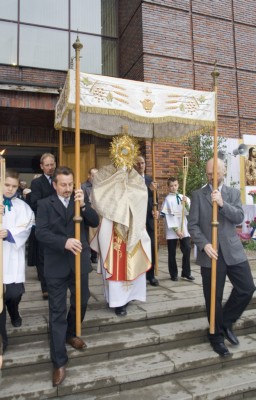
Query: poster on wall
[
  {"x": 250, "y": 169},
  {"x": 250, "y": 166}
]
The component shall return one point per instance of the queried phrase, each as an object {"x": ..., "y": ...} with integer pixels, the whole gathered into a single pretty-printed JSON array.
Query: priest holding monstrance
[{"x": 119, "y": 196}]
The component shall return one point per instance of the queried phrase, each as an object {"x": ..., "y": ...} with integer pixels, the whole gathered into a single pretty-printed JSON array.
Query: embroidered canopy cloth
[{"x": 149, "y": 110}]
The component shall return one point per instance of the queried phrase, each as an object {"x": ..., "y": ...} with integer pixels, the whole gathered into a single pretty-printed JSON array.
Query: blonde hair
[{"x": 45, "y": 155}]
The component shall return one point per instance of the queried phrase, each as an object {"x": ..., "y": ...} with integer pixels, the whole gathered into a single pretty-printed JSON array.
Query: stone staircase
[{"x": 158, "y": 352}]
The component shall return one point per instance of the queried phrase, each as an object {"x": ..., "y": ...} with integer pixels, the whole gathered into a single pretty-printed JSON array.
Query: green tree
[{"x": 199, "y": 149}]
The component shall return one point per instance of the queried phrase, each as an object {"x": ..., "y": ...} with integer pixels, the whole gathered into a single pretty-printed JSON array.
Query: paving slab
[
  {"x": 32, "y": 386},
  {"x": 223, "y": 384},
  {"x": 201, "y": 355},
  {"x": 173, "y": 307},
  {"x": 181, "y": 330},
  {"x": 115, "y": 372}
]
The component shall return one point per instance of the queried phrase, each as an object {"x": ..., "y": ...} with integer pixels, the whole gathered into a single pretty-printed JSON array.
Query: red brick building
[{"x": 172, "y": 42}]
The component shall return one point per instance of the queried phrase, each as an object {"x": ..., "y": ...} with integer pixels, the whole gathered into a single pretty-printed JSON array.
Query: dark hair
[
  {"x": 250, "y": 152},
  {"x": 171, "y": 179},
  {"x": 63, "y": 170},
  {"x": 11, "y": 173}
]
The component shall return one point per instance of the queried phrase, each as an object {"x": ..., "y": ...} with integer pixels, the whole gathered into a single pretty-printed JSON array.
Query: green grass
[{"x": 250, "y": 244}]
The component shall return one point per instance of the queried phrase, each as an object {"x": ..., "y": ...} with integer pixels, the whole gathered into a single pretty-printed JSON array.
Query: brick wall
[
  {"x": 181, "y": 41},
  {"x": 32, "y": 76}
]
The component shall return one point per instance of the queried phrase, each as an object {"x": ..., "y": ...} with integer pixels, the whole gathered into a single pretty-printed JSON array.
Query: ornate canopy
[{"x": 149, "y": 110}]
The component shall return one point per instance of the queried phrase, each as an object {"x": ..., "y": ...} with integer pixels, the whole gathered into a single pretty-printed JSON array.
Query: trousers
[
  {"x": 62, "y": 325},
  {"x": 185, "y": 249},
  {"x": 241, "y": 278}
]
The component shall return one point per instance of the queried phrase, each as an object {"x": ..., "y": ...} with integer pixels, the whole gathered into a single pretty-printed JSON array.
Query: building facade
[{"x": 172, "y": 42}]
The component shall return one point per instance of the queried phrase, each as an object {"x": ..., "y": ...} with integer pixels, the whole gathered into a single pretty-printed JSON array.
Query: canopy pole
[
  {"x": 185, "y": 174},
  {"x": 154, "y": 201},
  {"x": 215, "y": 222},
  {"x": 77, "y": 218},
  {"x": 2, "y": 180},
  {"x": 60, "y": 147}
]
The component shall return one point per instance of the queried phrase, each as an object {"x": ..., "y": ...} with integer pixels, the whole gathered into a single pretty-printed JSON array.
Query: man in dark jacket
[
  {"x": 140, "y": 168},
  {"x": 55, "y": 228},
  {"x": 42, "y": 187}
]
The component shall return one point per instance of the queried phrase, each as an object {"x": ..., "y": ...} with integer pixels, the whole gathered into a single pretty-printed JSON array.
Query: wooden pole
[
  {"x": 154, "y": 205},
  {"x": 2, "y": 180},
  {"x": 77, "y": 218},
  {"x": 60, "y": 147},
  {"x": 215, "y": 223},
  {"x": 185, "y": 174}
]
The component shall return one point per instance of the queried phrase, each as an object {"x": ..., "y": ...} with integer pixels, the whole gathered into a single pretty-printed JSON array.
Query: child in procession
[
  {"x": 17, "y": 221},
  {"x": 174, "y": 209}
]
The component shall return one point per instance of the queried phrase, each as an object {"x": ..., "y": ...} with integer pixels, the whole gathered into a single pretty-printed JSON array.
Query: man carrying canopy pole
[
  {"x": 55, "y": 229},
  {"x": 229, "y": 254}
]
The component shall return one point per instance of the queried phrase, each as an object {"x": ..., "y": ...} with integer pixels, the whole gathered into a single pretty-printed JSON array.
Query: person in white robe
[
  {"x": 174, "y": 209},
  {"x": 17, "y": 221},
  {"x": 119, "y": 196}
]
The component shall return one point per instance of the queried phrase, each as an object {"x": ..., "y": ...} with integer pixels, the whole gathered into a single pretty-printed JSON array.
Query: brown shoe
[
  {"x": 77, "y": 343},
  {"x": 58, "y": 376}
]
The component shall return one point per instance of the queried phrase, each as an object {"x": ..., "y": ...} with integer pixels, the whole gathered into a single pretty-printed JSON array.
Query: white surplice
[
  {"x": 173, "y": 215},
  {"x": 19, "y": 221}
]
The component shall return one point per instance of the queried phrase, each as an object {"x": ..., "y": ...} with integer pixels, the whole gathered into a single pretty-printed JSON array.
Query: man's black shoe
[
  {"x": 230, "y": 336},
  {"x": 94, "y": 260},
  {"x": 16, "y": 322},
  {"x": 121, "y": 311},
  {"x": 188, "y": 277},
  {"x": 153, "y": 282},
  {"x": 220, "y": 349},
  {"x": 174, "y": 278}
]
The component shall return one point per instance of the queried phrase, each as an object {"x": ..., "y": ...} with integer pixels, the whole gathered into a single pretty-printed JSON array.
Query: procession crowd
[{"x": 118, "y": 209}]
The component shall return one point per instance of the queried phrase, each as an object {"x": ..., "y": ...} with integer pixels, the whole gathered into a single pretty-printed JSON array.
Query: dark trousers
[
  {"x": 61, "y": 325},
  {"x": 240, "y": 277},
  {"x": 13, "y": 294},
  {"x": 151, "y": 273},
  {"x": 40, "y": 266},
  {"x": 185, "y": 249},
  {"x": 3, "y": 332},
  {"x": 94, "y": 255}
]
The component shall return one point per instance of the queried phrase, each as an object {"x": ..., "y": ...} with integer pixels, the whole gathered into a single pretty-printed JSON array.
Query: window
[
  {"x": 47, "y": 29},
  {"x": 98, "y": 55},
  {"x": 43, "y": 47},
  {"x": 8, "y": 43},
  {"x": 9, "y": 9},
  {"x": 45, "y": 12}
]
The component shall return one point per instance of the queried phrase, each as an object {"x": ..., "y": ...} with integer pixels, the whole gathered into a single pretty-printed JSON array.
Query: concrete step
[
  {"x": 181, "y": 305},
  {"x": 186, "y": 365},
  {"x": 161, "y": 343},
  {"x": 225, "y": 384},
  {"x": 23, "y": 357},
  {"x": 107, "y": 345}
]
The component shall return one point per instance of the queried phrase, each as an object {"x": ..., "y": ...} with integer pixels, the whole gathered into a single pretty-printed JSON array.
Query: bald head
[
  {"x": 140, "y": 165},
  {"x": 221, "y": 171}
]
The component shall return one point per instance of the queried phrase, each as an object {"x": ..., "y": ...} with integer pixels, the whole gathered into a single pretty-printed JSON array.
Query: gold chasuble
[{"x": 120, "y": 197}]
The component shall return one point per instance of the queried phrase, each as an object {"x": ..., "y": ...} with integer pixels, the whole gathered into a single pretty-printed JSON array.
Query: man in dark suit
[
  {"x": 230, "y": 255},
  {"x": 140, "y": 168},
  {"x": 55, "y": 228},
  {"x": 87, "y": 188},
  {"x": 40, "y": 188}
]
